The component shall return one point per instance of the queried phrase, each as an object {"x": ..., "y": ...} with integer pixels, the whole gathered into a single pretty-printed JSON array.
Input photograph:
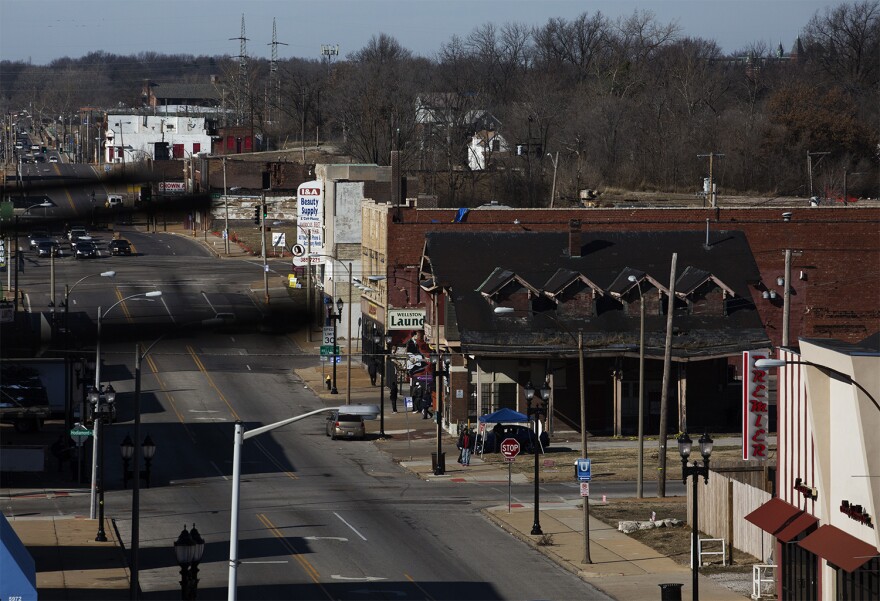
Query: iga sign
[
  {"x": 310, "y": 220},
  {"x": 406, "y": 319},
  {"x": 756, "y": 406}
]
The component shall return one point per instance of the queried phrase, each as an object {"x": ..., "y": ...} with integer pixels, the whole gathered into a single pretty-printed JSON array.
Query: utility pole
[
  {"x": 263, "y": 245},
  {"x": 664, "y": 393},
  {"x": 274, "y": 81},
  {"x": 226, "y": 206},
  {"x": 242, "y": 74},
  {"x": 810, "y": 156},
  {"x": 711, "y": 191},
  {"x": 786, "y": 299},
  {"x": 303, "y": 130}
]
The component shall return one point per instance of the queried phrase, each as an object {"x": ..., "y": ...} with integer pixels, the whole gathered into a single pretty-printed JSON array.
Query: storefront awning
[
  {"x": 774, "y": 515},
  {"x": 796, "y": 526},
  {"x": 839, "y": 548}
]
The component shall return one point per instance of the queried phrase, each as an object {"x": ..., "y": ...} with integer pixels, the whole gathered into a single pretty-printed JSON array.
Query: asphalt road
[{"x": 319, "y": 519}]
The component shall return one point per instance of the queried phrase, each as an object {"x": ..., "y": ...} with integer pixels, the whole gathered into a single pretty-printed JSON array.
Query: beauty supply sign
[
  {"x": 756, "y": 407},
  {"x": 310, "y": 220}
]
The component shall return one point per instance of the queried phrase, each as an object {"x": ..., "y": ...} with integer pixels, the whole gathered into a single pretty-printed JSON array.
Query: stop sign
[{"x": 510, "y": 448}]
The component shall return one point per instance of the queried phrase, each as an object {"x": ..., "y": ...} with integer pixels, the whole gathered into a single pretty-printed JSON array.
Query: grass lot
[{"x": 557, "y": 465}]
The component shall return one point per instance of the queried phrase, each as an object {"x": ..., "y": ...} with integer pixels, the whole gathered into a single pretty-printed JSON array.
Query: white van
[{"x": 114, "y": 201}]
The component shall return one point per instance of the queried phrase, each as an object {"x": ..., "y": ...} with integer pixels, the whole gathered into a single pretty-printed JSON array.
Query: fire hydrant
[{"x": 328, "y": 382}]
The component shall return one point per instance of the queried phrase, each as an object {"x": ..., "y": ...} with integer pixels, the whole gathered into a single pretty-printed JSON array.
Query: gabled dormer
[
  {"x": 503, "y": 288},
  {"x": 703, "y": 292},
  {"x": 573, "y": 293},
  {"x": 632, "y": 286}
]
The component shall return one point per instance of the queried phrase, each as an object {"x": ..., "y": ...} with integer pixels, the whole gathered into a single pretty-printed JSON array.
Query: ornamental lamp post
[
  {"x": 382, "y": 342},
  {"x": 695, "y": 471},
  {"x": 335, "y": 317},
  {"x": 536, "y": 411},
  {"x": 189, "y": 548}
]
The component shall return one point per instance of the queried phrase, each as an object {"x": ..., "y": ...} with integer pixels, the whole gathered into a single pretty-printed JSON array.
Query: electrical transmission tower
[
  {"x": 274, "y": 80},
  {"x": 243, "y": 88}
]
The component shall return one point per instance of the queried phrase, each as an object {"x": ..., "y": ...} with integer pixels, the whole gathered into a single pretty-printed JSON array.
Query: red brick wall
[{"x": 838, "y": 249}]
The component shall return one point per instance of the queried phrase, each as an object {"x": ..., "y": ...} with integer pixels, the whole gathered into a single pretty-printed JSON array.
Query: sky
[{"x": 41, "y": 31}]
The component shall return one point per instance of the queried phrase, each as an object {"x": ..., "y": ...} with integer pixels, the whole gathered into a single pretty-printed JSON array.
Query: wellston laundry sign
[{"x": 406, "y": 319}]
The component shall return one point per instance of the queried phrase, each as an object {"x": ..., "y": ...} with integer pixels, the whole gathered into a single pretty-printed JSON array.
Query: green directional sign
[
  {"x": 328, "y": 350},
  {"x": 82, "y": 432},
  {"x": 6, "y": 210}
]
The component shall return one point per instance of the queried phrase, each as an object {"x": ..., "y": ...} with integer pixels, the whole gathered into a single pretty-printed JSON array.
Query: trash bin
[
  {"x": 671, "y": 591},
  {"x": 442, "y": 462}
]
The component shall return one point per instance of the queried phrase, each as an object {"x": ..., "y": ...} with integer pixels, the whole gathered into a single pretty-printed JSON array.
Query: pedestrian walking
[
  {"x": 392, "y": 394},
  {"x": 371, "y": 369},
  {"x": 466, "y": 444}
]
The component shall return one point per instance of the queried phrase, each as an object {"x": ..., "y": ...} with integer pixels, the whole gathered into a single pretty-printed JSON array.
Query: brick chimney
[
  {"x": 574, "y": 238},
  {"x": 395, "y": 178}
]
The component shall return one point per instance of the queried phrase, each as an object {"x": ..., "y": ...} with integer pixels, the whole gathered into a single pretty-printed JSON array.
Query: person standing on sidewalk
[
  {"x": 466, "y": 443},
  {"x": 392, "y": 394},
  {"x": 371, "y": 369}
]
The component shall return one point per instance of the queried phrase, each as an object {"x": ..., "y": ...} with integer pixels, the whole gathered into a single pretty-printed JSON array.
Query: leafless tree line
[{"x": 626, "y": 103}]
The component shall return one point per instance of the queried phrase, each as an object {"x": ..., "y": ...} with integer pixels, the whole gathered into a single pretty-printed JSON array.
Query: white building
[
  {"x": 828, "y": 476},
  {"x": 482, "y": 146},
  {"x": 136, "y": 138}
]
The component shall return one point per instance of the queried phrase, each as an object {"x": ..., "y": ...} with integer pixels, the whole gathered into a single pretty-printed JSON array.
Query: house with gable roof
[{"x": 559, "y": 290}]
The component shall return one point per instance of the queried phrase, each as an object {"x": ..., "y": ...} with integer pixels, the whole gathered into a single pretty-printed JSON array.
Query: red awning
[
  {"x": 774, "y": 515},
  {"x": 839, "y": 548},
  {"x": 796, "y": 526}
]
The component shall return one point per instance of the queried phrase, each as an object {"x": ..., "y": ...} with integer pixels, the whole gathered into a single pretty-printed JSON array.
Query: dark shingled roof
[{"x": 461, "y": 262}]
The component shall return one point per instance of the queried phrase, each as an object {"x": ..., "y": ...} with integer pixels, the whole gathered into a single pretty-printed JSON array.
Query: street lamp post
[
  {"x": 382, "y": 342},
  {"x": 536, "y": 411},
  {"x": 102, "y": 402},
  {"x": 188, "y": 549},
  {"x": 348, "y": 359},
  {"x": 641, "y": 460},
  {"x": 335, "y": 317},
  {"x": 695, "y": 471},
  {"x": 97, "y": 439},
  {"x": 441, "y": 368},
  {"x": 584, "y": 451},
  {"x": 367, "y": 411},
  {"x": 148, "y": 450}
]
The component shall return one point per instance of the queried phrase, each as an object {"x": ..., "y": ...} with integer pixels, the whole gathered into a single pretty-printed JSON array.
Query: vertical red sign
[{"x": 756, "y": 407}]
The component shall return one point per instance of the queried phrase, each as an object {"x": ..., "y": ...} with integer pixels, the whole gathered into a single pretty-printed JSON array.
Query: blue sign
[{"x": 583, "y": 470}]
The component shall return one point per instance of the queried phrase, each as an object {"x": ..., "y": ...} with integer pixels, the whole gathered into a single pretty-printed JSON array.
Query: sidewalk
[{"x": 621, "y": 566}]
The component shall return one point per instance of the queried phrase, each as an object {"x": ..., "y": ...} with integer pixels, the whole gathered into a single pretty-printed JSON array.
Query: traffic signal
[
  {"x": 257, "y": 215},
  {"x": 265, "y": 211}
]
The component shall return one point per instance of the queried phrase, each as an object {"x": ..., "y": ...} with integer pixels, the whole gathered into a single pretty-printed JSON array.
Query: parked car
[
  {"x": 77, "y": 232},
  {"x": 119, "y": 247},
  {"x": 53, "y": 159},
  {"x": 37, "y": 236},
  {"x": 48, "y": 248},
  {"x": 342, "y": 425},
  {"x": 85, "y": 250},
  {"x": 114, "y": 201}
]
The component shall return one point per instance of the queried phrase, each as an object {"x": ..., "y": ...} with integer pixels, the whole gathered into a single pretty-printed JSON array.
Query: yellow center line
[
  {"x": 257, "y": 443},
  {"x": 66, "y": 191},
  {"x": 309, "y": 568},
  {"x": 154, "y": 368},
  {"x": 122, "y": 304},
  {"x": 416, "y": 584},
  {"x": 211, "y": 383}
]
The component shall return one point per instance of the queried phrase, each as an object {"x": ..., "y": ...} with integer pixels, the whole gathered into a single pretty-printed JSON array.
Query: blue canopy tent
[{"x": 503, "y": 417}]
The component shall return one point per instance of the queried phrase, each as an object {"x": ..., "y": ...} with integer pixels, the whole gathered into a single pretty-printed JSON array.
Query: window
[
  {"x": 863, "y": 583},
  {"x": 196, "y": 147}
]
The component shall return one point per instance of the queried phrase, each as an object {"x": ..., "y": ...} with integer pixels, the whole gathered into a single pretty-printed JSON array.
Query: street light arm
[
  {"x": 106, "y": 274},
  {"x": 767, "y": 363},
  {"x": 270, "y": 427}
]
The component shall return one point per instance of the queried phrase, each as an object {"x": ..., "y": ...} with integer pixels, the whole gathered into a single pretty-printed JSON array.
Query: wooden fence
[{"x": 732, "y": 493}]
